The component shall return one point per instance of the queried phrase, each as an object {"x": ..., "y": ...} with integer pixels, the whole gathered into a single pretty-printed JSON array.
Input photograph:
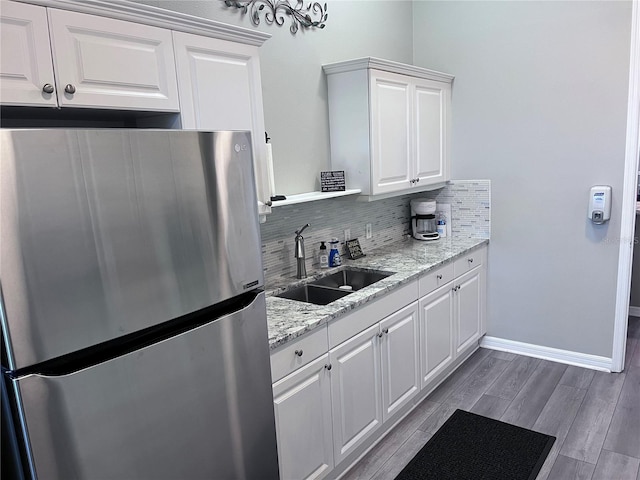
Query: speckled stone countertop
[{"x": 289, "y": 319}]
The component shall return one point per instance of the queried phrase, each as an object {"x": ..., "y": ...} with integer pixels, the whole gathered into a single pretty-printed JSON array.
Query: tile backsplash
[{"x": 470, "y": 217}]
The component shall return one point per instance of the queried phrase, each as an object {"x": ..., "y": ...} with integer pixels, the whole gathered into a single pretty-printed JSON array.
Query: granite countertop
[{"x": 289, "y": 319}]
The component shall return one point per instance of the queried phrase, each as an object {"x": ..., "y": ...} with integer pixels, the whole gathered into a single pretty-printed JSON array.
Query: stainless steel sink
[
  {"x": 317, "y": 295},
  {"x": 357, "y": 279},
  {"x": 327, "y": 289}
]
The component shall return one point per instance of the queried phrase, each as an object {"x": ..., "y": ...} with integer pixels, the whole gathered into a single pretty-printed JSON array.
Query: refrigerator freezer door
[
  {"x": 106, "y": 232},
  {"x": 196, "y": 406}
]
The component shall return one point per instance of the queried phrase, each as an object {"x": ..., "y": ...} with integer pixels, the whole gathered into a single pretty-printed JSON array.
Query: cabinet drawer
[
  {"x": 298, "y": 353},
  {"x": 351, "y": 324},
  {"x": 469, "y": 261},
  {"x": 436, "y": 278}
]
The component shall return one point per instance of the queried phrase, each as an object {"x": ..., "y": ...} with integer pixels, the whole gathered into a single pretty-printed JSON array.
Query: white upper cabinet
[
  {"x": 26, "y": 67},
  {"x": 98, "y": 62},
  {"x": 220, "y": 89},
  {"x": 389, "y": 125},
  {"x": 107, "y": 63}
]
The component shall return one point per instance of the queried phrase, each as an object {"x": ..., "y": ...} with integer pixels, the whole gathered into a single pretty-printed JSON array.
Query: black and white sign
[{"x": 332, "y": 181}]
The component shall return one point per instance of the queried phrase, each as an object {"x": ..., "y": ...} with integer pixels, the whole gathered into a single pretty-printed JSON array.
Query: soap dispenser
[
  {"x": 334, "y": 254},
  {"x": 324, "y": 258}
]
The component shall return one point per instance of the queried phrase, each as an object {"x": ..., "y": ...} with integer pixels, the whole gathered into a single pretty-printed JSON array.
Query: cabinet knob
[
  {"x": 417, "y": 180},
  {"x": 268, "y": 203},
  {"x": 328, "y": 366},
  {"x": 70, "y": 89},
  {"x": 298, "y": 353},
  {"x": 386, "y": 330},
  {"x": 47, "y": 88},
  {"x": 439, "y": 277},
  {"x": 380, "y": 334},
  {"x": 470, "y": 260}
]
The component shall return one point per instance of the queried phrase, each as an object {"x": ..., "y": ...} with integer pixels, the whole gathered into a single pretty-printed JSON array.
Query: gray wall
[
  {"x": 539, "y": 107},
  {"x": 293, "y": 84}
]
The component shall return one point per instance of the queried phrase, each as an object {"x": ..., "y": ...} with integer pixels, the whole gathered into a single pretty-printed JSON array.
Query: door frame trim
[{"x": 629, "y": 192}]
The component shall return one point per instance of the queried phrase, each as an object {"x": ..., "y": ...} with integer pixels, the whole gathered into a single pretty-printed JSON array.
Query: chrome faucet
[{"x": 299, "y": 253}]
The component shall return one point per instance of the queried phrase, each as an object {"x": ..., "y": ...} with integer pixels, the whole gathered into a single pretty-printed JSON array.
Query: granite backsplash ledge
[{"x": 470, "y": 218}]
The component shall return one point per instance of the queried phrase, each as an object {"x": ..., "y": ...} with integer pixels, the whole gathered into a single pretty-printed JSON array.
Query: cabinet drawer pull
[
  {"x": 70, "y": 89},
  {"x": 328, "y": 366},
  {"x": 47, "y": 88},
  {"x": 298, "y": 353}
]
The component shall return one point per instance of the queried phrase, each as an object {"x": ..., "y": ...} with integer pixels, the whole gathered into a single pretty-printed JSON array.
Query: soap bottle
[
  {"x": 324, "y": 258},
  {"x": 334, "y": 254},
  {"x": 442, "y": 226}
]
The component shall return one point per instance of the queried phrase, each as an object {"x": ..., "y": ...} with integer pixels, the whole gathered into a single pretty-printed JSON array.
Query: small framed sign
[
  {"x": 355, "y": 251},
  {"x": 332, "y": 181}
]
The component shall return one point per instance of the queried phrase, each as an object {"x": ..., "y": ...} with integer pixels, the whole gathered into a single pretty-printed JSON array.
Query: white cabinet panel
[
  {"x": 390, "y": 133},
  {"x": 468, "y": 309},
  {"x": 302, "y": 406},
  {"x": 431, "y": 103},
  {"x": 220, "y": 89},
  {"x": 407, "y": 111},
  {"x": 436, "y": 333},
  {"x": 400, "y": 359},
  {"x": 112, "y": 64},
  {"x": 355, "y": 391},
  {"x": 26, "y": 66}
]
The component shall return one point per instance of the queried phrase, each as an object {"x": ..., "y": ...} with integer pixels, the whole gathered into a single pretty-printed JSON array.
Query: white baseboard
[
  {"x": 585, "y": 360},
  {"x": 634, "y": 311}
]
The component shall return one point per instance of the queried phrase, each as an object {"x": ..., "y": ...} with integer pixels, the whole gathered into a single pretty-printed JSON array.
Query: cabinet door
[
  {"x": 391, "y": 143},
  {"x": 355, "y": 391},
  {"x": 468, "y": 308},
  {"x": 112, "y": 64},
  {"x": 25, "y": 56},
  {"x": 431, "y": 104},
  {"x": 302, "y": 405},
  {"x": 436, "y": 332},
  {"x": 220, "y": 89},
  {"x": 399, "y": 359}
]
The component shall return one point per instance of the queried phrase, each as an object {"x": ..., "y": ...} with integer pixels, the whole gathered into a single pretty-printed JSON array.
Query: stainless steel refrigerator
[{"x": 133, "y": 314}]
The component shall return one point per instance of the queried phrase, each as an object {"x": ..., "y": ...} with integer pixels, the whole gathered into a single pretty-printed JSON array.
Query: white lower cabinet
[
  {"x": 373, "y": 375},
  {"x": 400, "y": 359},
  {"x": 302, "y": 407},
  {"x": 356, "y": 391},
  {"x": 468, "y": 308},
  {"x": 338, "y": 402},
  {"x": 436, "y": 333}
]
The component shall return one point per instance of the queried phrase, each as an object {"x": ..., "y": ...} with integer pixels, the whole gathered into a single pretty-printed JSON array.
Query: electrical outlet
[
  {"x": 347, "y": 234},
  {"x": 367, "y": 230}
]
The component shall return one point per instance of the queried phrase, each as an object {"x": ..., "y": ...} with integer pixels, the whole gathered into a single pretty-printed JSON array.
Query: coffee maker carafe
[{"x": 423, "y": 219}]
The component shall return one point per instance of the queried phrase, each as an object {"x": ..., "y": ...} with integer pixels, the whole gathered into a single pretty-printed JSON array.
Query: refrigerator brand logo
[
  {"x": 252, "y": 284},
  {"x": 239, "y": 147}
]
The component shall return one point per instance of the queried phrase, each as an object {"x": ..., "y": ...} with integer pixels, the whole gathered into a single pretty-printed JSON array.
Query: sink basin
[
  {"x": 317, "y": 295},
  {"x": 357, "y": 279}
]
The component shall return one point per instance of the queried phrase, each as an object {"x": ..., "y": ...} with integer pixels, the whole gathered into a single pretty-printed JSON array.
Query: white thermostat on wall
[{"x": 600, "y": 204}]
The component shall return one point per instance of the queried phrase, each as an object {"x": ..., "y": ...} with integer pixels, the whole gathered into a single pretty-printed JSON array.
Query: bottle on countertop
[
  {"x": 334, "y": 254},
  {"x": 441, "y": 227},
  {"x": 324, "y": 257}
]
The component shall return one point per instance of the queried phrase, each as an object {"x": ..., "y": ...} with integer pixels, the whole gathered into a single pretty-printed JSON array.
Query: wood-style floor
[{"x": 595, "y": 416}]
